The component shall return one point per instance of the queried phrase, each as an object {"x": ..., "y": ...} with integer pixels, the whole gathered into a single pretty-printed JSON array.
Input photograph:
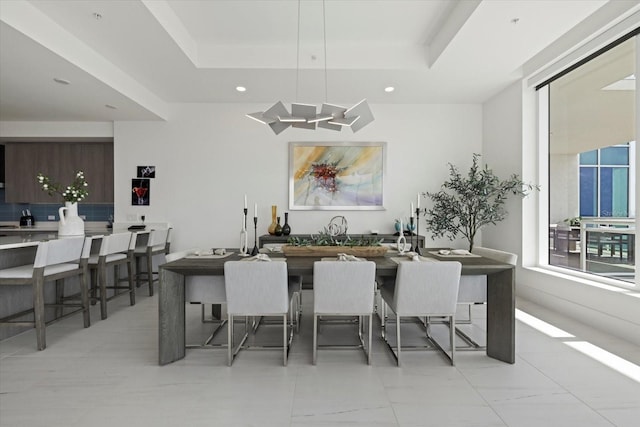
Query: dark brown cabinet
[{"x": 59, "y": 161}]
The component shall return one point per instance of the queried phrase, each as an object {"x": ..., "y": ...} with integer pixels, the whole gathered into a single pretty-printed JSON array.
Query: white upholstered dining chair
[
  {"x": 473, "y": 289},
  {"x": 203, "y": 290},
  {"x": 422, "y": 289},
  {"x": 344, "y": 288},
  {"x": 257, "y": 288}
]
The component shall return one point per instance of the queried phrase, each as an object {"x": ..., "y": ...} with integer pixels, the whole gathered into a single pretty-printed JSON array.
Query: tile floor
[{"x": 107, "y": 375}]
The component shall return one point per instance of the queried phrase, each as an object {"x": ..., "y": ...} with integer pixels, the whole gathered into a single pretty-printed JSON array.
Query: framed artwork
[
  {"x": 146, "y": 171},
  {"x": 336, "y": 175},
  {"x": 140, "y": 191}
]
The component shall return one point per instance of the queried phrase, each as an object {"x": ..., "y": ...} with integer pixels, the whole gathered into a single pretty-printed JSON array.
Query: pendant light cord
[
  {"x": 298, "y": 55},
  {"x": 324, "y": 35}
]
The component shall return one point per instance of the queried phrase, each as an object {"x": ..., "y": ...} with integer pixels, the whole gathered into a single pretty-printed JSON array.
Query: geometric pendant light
[{"x": 306, "y": 116}]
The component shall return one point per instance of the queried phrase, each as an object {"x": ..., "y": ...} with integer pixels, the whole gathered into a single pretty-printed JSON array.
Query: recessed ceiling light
[
  {"x": 515, "y": 20},
  {"x": 97, "y": 16},
  {"x": 389, "y": 89},
  {"x": 241, "y": 88},
  {"x": 111, "y": 106},
  {"x": 61, "y": 81}
]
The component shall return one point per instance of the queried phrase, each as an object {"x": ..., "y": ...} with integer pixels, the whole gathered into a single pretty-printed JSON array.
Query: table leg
[
  {"x": 501, "y": 321},
  {"x": 171, "y": 310}
]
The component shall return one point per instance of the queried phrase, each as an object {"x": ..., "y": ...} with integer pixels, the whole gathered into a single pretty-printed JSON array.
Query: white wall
[{"x": 207, "y": 156}]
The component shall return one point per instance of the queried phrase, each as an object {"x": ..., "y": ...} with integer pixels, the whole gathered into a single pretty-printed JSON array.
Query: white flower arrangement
[{"x": 76, "y": 192}]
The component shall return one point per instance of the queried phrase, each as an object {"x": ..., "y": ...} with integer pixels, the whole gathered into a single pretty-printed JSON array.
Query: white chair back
[
  {"x": 203, "y": 289},
  {"x": 496, "y": 255},
  {"x": 115, "y": 243},
  {"x": 68, "y": 250},
  {"x": 427, "y": 287},
  {"x": 256, "y": 287},
  {"x": 158, "y": 238},
  {"x": 174, "y": 256},
  {"x": 343, "y": 287}
]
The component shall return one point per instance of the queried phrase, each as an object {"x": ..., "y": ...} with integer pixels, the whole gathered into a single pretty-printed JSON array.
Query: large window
[{"x": 592, "y": 178}]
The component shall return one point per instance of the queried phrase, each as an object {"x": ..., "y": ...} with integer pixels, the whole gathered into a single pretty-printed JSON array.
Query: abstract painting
[{"x": 336, "y": 175}]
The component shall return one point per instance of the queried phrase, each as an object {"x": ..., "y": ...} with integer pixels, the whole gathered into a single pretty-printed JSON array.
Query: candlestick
[
  {"x": 411, "y": 232},
  {"x": 418, "y": 232},
  {"x": 244, "y": 244},
  {"x": 245, "y": 217},
  {"x": 254, "y": 252}
]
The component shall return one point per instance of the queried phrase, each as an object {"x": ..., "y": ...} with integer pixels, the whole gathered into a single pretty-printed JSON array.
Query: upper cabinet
[{"x": 59, "y": 161}]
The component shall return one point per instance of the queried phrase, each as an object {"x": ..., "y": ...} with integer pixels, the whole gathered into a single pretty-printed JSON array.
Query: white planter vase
[{"x": 70, "y": 223}]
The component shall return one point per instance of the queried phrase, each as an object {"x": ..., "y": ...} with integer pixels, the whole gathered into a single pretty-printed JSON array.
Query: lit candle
[
  {"x": 245, "y": 201},
  {"x": 418, "y": 200},
  {"x": 412, "y": 211},
  {"x": 255, "y": 210}
]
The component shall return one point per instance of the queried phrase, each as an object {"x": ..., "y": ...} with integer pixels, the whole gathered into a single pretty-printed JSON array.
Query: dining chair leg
[
  {"x": 230, "y": 340},
  {"x": 284, "y": 336},
  {"x": 452, "y": 337},
  {"x": 369, "y": 345},
  {"x": 398, "y": 335},
  {"x": 315, "y": 338}
]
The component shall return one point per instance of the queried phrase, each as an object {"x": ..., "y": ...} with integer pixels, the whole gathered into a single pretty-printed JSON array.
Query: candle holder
[
  {"x": 244, "y": 244},
  {"x": 254, "y": 252},
  {"x": 417, "y": 248},
  {"x": 411, "y": 233}
]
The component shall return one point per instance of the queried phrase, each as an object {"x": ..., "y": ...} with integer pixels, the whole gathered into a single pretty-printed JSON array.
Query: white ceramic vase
[{"x": 70, "y": 223}]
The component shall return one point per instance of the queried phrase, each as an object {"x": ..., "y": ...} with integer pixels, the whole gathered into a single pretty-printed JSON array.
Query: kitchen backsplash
[{"x": 13, "y": 211}]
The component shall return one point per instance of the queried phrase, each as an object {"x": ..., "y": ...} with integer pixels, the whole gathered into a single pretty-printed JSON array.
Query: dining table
[{"x": 500, "y": 330}]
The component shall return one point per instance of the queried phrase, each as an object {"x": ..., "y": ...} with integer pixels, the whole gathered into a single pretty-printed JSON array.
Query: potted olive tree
[{"x": 467, "y": 203}]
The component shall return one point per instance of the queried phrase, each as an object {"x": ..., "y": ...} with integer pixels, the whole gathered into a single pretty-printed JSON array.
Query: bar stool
[
  {"x": 157, "y": 244},
  {"x": 114, "y": 252},
  {"x": 55, "y": 261}
]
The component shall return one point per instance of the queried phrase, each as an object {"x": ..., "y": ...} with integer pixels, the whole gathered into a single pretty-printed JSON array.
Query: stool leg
[
  {"x": 38, "y": 310},
  {"x": 59, "y": 297},
  {"x": 102, "y": 282},
  {"x": 132, "y": 288},
  {"x": 84, "y": 296},
  {"x": 150, "y": 273}
]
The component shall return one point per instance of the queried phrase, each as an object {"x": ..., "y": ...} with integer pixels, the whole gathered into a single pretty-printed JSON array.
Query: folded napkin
[
  {"x": 412, "y": 256},
  {"x": 347, "y": 257},
  {"x": 460, "y": 252},
  {"x": 260, "y": 257}
]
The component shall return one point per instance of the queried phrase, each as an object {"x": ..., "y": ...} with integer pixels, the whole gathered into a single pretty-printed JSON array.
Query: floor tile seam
[
  {"x": 489, "y": 405},
  {"x": 582, "y": 401}
]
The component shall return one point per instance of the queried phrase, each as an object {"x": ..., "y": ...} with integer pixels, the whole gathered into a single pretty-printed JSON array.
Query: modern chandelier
[{"x": 306, "y": 116}]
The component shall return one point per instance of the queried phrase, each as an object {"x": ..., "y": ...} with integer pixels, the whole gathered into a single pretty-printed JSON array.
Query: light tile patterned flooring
[{"x": 108, "y": 375}]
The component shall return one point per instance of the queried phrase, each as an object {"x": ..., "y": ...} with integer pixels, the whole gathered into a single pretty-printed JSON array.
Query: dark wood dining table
[{"x": 500, "y": 297}]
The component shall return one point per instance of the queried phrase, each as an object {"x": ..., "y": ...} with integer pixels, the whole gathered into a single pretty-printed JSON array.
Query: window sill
[{"x": 587, "y": 279}]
